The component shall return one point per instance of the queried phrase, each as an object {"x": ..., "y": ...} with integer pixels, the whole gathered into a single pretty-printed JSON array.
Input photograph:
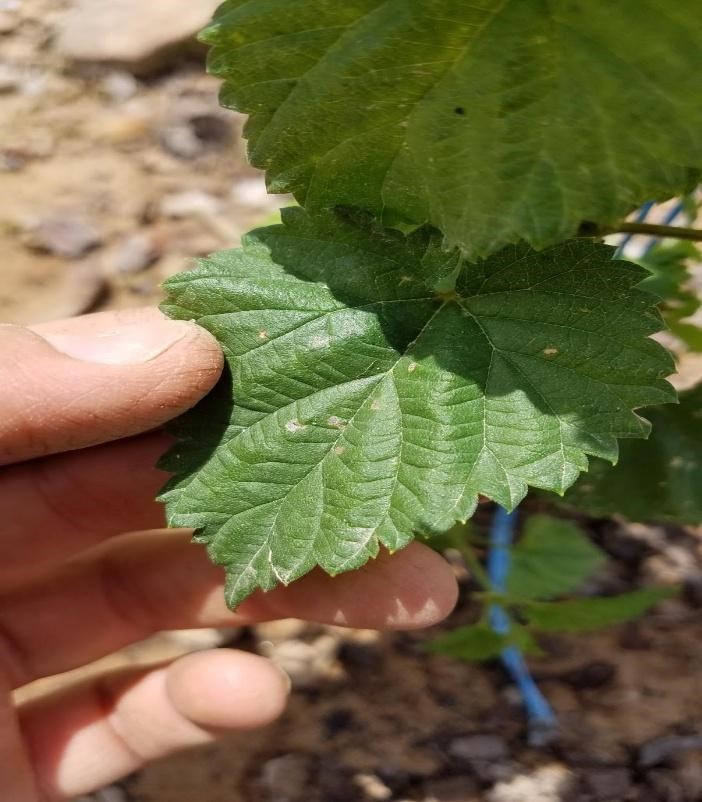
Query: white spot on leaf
[
  {"x": 376, "y": 405},
  {"x": 550, "y": 351},
  {"x": 336, "y": 422},
  {"x": 319, "y": 341},
  {"x": 263, "y": 335},
  {"x": 412, "y": 367},
  {"x": 294, "y": 426}
]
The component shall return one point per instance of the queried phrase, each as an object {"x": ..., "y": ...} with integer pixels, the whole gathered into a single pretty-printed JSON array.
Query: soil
[{"x": 111, "y": 183}]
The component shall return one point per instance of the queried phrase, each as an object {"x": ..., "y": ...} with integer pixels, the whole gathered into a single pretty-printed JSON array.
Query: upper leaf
[
  {"x": 361, "y": 405},
  {"x": 658, "y": 479},
  {"x": 493, "y": 120}
]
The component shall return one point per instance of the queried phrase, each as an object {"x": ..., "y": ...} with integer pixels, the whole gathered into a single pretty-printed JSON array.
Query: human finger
[
  {"x": 162, "y": 581},
  {"x": 86, "y": 737},
  {"x": 58, "y": 506},
  {"x": 78, "y": 382}
]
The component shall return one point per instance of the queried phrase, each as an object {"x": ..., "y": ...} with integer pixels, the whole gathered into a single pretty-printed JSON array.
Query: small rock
[
  {"x": 9, "y": 20},
  {"x": 487, "y": 756},
  {"x": 137, "y": 36},
  {"x": 451, "y": 789},
  {"x": 479, "y": 747},
  {"x": 133, "y": 254},
  {"x": 546, "y": 784},
  {"x": 119, "y": 86},
  {"x": 305, "y": 663},
  {"x": 66, "y": 235},
  {"x": 191, "y": 203},
  {"x": 10, "y": 78},
  {"x": 665, "y": 788},
  {"x": 372, "y": 787},
  {"x": 661, "y": 750},
  {"x": 284, "y": 778},
  {"x": 609, "y": 784},
  {"x": 692, "y": 591},
  {"x": 195, "y": 132},
  {"x": 592, "y": 675}
]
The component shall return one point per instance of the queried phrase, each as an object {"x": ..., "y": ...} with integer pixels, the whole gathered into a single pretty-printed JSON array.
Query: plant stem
[
  {"x": 541, "y": 718},
  {"x": 655, "y": 230}
]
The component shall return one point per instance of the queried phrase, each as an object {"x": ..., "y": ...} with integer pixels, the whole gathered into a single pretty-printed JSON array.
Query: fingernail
[{"x": 128, "y": 343}]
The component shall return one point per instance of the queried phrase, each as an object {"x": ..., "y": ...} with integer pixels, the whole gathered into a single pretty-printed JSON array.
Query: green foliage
[
  {"x": 479, "y": 642},
  {"x": 493, "y": 121},
  {"x": 365, "y": 405},
  {"x": 552, "y": 558},
  {"x": 670, "y": 281},
  {"x": 584, "y": 615},
  {"x": 655, "y": 479}
]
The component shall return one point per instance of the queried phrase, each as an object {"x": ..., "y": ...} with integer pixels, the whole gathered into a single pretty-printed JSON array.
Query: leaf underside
[
  {"x": 657, "y": 479},
  {"x": 360, "y": 405},
  {"x": 492, "y": 120}
]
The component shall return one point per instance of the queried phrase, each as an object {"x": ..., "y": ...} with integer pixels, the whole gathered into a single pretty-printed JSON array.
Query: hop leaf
[
  {"x": 362, "y": 405},
  {"x": 657, "y": 479},
  {"x": 491, "y": 120}
]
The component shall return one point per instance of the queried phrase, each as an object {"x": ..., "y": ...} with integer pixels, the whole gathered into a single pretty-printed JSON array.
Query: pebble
[
  {"x": 305, "y": 663},
  {"x": 133, "y": 254},
  {"x": 609, "y": 784},
  {"x": 596, "y": 674},
  {"x": 284, "y": 778},
  {"x": 63, "y": 234},
  {"x": 9, "y": 20},
  {"x": 139, "y": 37},
  {"x": 660, "y": 750},
  {"x": 119, "y": 86},
  {"x": 191, "y": 203},
  {"x": 372, "y": 787},
  {"x": 550, "y": 783},
  {"x": 461, "y": 788}
]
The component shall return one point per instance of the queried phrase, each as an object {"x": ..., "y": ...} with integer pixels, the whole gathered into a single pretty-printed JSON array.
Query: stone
[
  {"x": 133, "y": 254},
  {"x": 661, "y": 750},
  {"x": 609, "y": 784},
  {"x": 372, "y": 787},
  {"x": 551, "y": 783},
  {"x": 595, "y": 674},
  {"x": 137, "y": 36},
  {"x": 284, "y": 778},
  {"x": 119, "y": 86},
  {"x": 63, "y": 234},
  {"x": 461, "y": 788},
  {"x": 190, "y": 203}
]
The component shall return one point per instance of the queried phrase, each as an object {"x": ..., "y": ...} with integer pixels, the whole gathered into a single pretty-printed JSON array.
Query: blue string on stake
[
  {"x": 640, "y": 217},
  {"x": 542, "y": 721}
]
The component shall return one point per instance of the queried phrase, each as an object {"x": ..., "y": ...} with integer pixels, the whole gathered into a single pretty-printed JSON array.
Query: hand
[{"x": 75, "y": 399}]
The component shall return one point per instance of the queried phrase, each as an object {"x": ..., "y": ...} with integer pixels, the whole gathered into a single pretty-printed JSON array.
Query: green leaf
[
  {"x": 361, "y": 406},
  {"x": 583, "y": 615},
  {"x": 656, "y": 479},
  {"x": 670, "y": 281},
  {"x": 479, "y": 642},
  {"x": 491, "y": 120},
  {"x": 552, "y": 557}
]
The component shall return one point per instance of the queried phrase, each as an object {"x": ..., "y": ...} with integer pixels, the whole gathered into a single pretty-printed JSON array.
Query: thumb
[{"x": 83, "y": 381}]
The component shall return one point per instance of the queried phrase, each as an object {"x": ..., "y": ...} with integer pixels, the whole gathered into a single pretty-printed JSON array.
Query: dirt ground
[{"x": 109, "y": 183}]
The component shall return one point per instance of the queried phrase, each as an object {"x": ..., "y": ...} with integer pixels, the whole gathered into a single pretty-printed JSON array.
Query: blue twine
[{"x": 542, "y": 721}]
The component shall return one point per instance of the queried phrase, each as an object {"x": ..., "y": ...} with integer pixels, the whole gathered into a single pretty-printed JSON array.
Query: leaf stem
[{"x": 655, "y": 230}]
